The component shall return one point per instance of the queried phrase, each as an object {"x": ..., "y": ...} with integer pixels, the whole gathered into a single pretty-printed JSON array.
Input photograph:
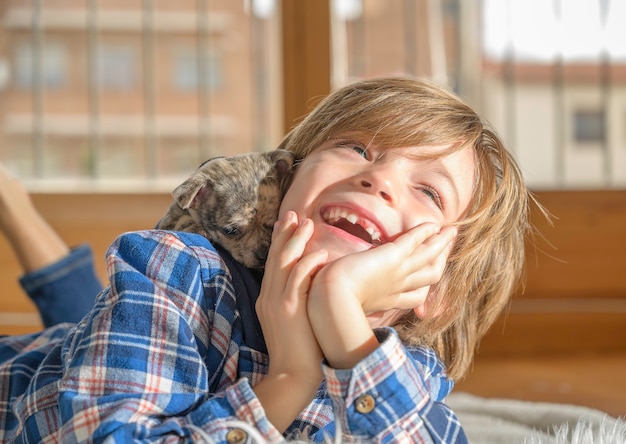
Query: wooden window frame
[{"x": 306, "y": 56}]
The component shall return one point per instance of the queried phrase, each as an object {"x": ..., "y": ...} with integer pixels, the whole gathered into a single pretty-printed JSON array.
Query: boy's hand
[
  {"x": 294, "y": 371},
  {"x": 396, "y": 275}
]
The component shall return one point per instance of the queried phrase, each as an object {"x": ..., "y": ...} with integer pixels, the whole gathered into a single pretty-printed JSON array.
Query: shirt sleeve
[
  {"x": 388, "y": 397},
  {"x": 144, "y": 365}
]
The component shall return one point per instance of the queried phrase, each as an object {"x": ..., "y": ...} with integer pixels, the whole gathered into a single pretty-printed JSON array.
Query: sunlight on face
[{"x": 360, "y": 196}]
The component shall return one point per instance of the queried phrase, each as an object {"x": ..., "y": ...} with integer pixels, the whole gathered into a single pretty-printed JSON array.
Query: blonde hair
[{"x": 487, "y": 260}]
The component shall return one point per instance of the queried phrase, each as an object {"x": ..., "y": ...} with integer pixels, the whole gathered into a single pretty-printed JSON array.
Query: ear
[
  {"x": 282, "y": 168},
  {"x": 420, "y": 311},
  {"x": 190, "y": 192},
  {"x": 430, "y": 307},
  {"x": 283, "y": 163}
]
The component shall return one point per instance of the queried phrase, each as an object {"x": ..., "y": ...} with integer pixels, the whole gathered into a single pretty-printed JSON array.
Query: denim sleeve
[{"x": 65, "y": 290}]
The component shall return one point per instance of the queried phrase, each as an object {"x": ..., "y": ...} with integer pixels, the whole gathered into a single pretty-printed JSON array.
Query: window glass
[
  {"x": 188, "y": 68},
  {"x": 589, "y": 126},
  {"x": 133, "y": 95},
  {"x": 523, "y": 64},
  {"x": 117, "y": 67},
  {"x": 51, "y": 61}
]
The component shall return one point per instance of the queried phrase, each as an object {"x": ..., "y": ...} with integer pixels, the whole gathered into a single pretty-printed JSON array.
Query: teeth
[
  {"x": 334, "y": 214},
  {"x": 375, "y": 234}
]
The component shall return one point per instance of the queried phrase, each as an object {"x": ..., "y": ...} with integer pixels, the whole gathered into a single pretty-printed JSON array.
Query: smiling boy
[{"x": 399, "y": 241}]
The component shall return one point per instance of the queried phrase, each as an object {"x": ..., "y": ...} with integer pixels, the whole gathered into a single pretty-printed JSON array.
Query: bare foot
[
  {"x": 34, "y": 242},
  {"x": 15, "y": 203}
]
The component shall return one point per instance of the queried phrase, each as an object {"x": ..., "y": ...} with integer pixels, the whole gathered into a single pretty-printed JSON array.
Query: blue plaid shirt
[{"x": 166, "y": 356}]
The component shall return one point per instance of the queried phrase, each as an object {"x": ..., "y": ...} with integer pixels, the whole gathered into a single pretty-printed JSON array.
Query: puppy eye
[{"x": 231, "y": 230}]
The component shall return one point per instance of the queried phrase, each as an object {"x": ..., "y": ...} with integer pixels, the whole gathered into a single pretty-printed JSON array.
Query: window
[
  {"x": 187, "y": 70},
  {"x": 520, "y": 64},
  {"x": 52, "y": 63},
  {"x": 135, "y": 85},
  {"x": 117, "y": 67},
  {"x": 206, "y": 77},
  {"x": 589, "y": 126}
]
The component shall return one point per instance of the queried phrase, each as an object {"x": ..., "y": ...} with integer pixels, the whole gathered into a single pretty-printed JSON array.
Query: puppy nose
[{"x": 384, "y": 194}]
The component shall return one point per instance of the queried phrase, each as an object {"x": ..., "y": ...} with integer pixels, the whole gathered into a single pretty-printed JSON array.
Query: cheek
[
  {"x": 304, "y": 189},
  {"x": 296, "y": 197},
  {"x": 284, "y": 206},
  {"x": 421, "y": 214}
]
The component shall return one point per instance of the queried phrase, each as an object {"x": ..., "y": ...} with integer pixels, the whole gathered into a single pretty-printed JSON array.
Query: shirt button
[
  {"x": 236, "y": 436},
  {"x": 365, "y": 404}
]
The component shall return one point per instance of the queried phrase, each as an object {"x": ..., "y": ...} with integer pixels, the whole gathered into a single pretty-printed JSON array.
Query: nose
[
  {"x": 379, "y": 180},
  {"x": 381, "y": 192}
]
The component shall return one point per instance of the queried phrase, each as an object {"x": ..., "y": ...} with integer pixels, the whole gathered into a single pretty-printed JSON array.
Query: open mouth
[{"x": 353, "y": 224}]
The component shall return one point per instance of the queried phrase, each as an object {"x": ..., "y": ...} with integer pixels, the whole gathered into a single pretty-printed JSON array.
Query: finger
[
  {"x": 443, "y": 238},
  {"x": 433, "y": 249},
  {"x": 404, "y": 246},
  {"x": 287, "y": 248},
  {"x": 425, "y": 266},
  {"x": 303, "y": 272},
  {"x": 417, "y": 235},
  {"x": 425, "y": 276},
  {"x": 292, "y": 240},
  {"x": 283, "y": 230},
  {"x": 409, "y": 300},
  {"x": 431, "y": 272},
  {"x": 288, "y": 241}
]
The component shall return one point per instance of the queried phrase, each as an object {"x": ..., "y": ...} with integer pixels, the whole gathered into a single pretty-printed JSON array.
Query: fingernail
[{"x": 289, "y": 216}]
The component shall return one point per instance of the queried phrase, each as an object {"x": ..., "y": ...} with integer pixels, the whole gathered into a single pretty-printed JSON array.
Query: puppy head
[{"x": 236, "y": 200}]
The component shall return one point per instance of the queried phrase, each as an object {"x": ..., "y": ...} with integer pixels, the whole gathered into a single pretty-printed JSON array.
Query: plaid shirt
[{"x": 163, "y": 357}]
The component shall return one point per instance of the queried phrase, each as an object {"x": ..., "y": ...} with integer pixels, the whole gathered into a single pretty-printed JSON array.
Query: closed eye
[{"x": 433, "y": 195}]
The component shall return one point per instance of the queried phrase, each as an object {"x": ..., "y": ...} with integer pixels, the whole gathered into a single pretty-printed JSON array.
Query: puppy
[{"x": 233, "y": 201}]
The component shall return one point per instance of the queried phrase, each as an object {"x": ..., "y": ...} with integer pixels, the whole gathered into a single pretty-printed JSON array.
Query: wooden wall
[
  {"x": 575, "y": 297},
  {"x": 564, "y": 338}
]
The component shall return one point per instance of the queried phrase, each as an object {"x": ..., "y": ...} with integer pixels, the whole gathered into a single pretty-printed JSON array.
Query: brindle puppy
[{"x": 233, "y": 201}]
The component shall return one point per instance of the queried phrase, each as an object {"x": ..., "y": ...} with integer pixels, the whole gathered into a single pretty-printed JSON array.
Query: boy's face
[{"x": 359, "y": 197}]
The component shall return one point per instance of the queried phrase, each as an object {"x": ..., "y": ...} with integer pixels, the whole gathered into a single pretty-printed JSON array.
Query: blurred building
[
  {"x": 564, "y": 121},
  {"x": 550, "y": 76},
  {"x": 119, "y": 89},
  {"x": 110, "y": 91}
]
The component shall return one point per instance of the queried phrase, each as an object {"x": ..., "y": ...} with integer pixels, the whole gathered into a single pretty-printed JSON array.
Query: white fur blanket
[{"x": 508, "y": 421}]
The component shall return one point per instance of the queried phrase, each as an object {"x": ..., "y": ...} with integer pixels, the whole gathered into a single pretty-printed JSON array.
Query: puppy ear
[
  {"x": 190, "y": 192},
  {"x": 283, "y": 162},
  {"x": 282, "y": 168}
]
